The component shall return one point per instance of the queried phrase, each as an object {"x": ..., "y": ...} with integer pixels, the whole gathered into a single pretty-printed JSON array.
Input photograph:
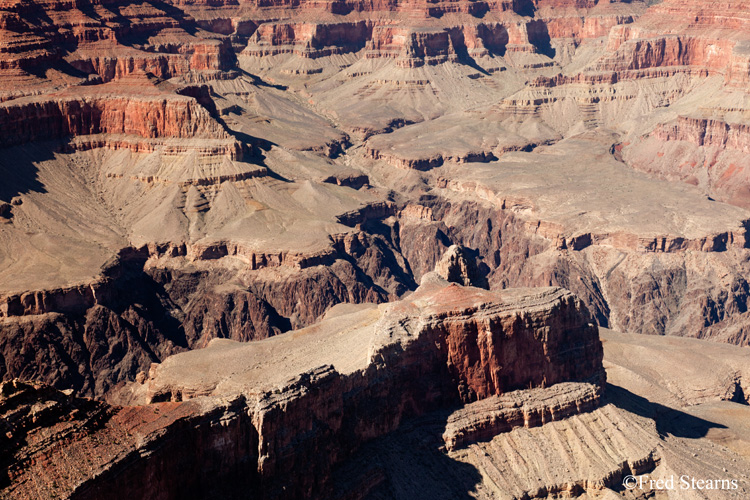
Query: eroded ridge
[
  {"x": 304, "y": 400},
  {"x": 484, "y": 419}
]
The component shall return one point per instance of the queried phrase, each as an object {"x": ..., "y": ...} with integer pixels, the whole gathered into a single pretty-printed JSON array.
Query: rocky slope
[
  {"x": 182, "y": 171},
  {"x": 231, "y": 419},
  {"x": 304, "y": 400}
]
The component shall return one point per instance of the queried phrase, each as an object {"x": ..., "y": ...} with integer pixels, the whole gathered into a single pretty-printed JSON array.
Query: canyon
[
  {"x": 225, "y": 222},
  {"x": 305, "y": 399},
  {"x": 372, "y": 401}
]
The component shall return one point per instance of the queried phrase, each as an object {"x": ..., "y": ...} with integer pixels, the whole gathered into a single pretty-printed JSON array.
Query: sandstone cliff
[
  {"x": 264, "y": 412},
  {"x": 31, "y": 119},
  {"x": 244, "y": 154}
]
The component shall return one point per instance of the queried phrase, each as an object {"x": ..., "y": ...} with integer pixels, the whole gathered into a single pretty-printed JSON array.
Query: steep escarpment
[
  {"x": 51, "y": 44},
  {"x": 709, "y": 152},
  {"x": 638, "y": 429},
  {"x": 92, "y": 337},
  {"x": 706, "y": 132},
  {"x": 696, "y": 35},
  {"x": 26, "y": 120},
  {"x": 410, "y": 64},
  {"x": 647, "y": 286},
  {"x": 309, "y": 411}
]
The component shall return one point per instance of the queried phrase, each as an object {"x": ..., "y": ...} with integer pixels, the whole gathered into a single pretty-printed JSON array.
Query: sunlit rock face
[
  {"x": 238, "y": 224},
  {"x": 307, "y": 399}
]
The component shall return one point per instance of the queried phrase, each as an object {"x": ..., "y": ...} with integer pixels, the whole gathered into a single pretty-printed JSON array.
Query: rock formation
[
  {"x": 137, "y": 110},
  {"x": 485, "y": 419},
  {"x": 458, "y": 267},
  {"x": 232, "y": 416},
  {"x": 303, "y": 400},
  {"x": 180, "y": 176}
]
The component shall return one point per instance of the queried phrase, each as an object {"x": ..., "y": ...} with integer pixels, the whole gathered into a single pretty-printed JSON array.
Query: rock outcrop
[
  {"x": 706, "y": 152},
  {"x": 485, "y": 419},
  {"x": 304, "y": 400},
  {"x": 457, "y": 266}
]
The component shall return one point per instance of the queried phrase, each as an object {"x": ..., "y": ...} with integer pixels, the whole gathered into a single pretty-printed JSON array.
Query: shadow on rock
[
  {"x": 668, "y": 420},
  {"x": 406, "y": 464},
  {"x": 19, "y": 171}
]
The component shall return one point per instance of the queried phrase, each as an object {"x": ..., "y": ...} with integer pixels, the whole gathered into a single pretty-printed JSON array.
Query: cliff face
[
  {"x": 417, "y": 44},
  {"x": 101, "y": 37},
  {"x": 692, "y": 36},
  {"x": 26, "y": 120},
  {"x": 707, "y": 152},
  {"x": 416, "y": 357},
  {"x": 665, "y": 296},
  {"x": 482, "y": 351},
  {"x": 107, "y": 332},
  {"x": 707, "y": 133},
  {"x": 173, "y": 40}
]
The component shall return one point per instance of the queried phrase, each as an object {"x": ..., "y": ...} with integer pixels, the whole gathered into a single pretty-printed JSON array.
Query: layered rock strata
[
  {"x": 302, "y": 401},
  {"x": 93, "y": 336},
  {"x": 265, "y": 184},
  {"x": 630, "y": 266},
  {"x": 25, "y": 120},
  {"x": 483, "y": 420},
  {"x": 105, "y": 39},
  {"x": 709, "y": 152}
]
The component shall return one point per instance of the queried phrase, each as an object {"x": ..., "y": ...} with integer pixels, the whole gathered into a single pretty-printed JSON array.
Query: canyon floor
[{"x": 203, "y": 201}]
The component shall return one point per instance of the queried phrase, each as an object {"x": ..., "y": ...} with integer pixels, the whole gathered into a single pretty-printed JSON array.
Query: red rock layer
[
  {"x": 101, "y": 37},
  {"x": 115, "y": 38},
  {"x": 422, "y": 7},
  {"x": 107, "y": 111},
  {"x": 706, "y": 132},
  {"x": 249, "y": 443},
  {"x": 423, "y": 37},
  {"x": 709, "y": 152},
  {"x": 309, "y": 39},
  {"x": 484, "y": 347},
  {"x": 582, "y": 27},
  {"x": 674, "y": 33},
  {"x": 418, "y": 45},
  {"x": 187, "y": 56}
]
